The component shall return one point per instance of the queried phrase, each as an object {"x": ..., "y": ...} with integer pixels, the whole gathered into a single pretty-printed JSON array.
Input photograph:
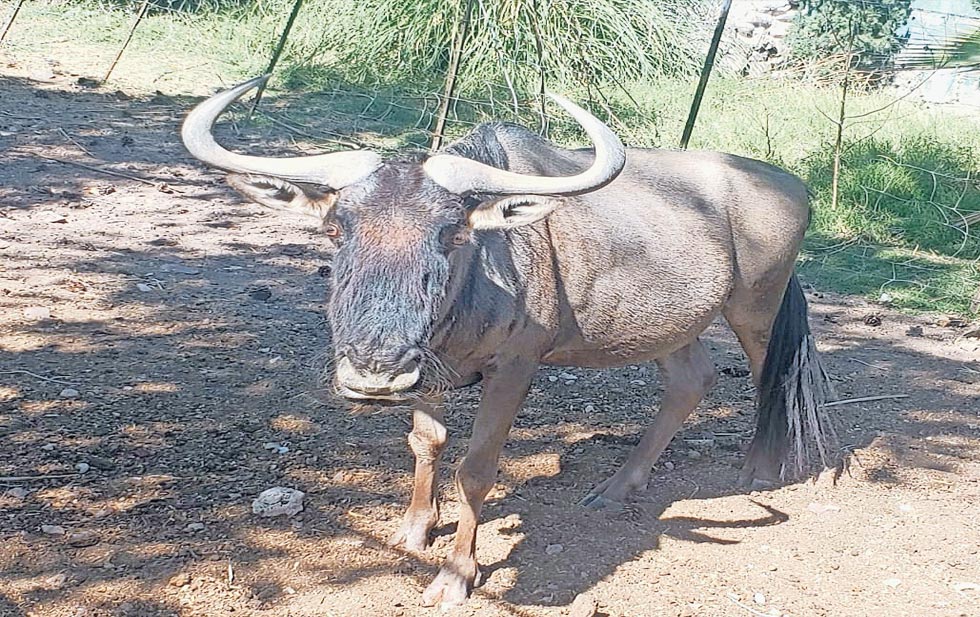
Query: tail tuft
[{"x": 794, "y": 433}]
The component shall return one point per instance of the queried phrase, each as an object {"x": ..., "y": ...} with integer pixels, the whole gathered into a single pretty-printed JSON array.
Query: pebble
[
  {"x": 892, "y": 582},
  {"x": 584, "y": 605},
  {"x": 17, "y": 492},
  {"x": 693, "y": 454},
  {"x": 589, "y": 408},
  {"x": 553, "y": 549},
  {"x": 638, "y": 382},
  {"x": 277, "y": 448},
  {"x": 82, "y": 467},
  {"x": 53, "y": 530},
  {"x": 195, "y": 527},
  {"x": 81, "y": 539},
  {"x": 69, "y": 393},
  {"x": 669, "y": 466},
  {"x": 181, "y": 579},
  {"x": 143, "y": 287},
  {"x": 759, "y": 598},
  {"x": 277, "y": 501},
  {"x": 552, "y": 378},
  {"x": 37, "y": 312},
  {"x": 48, "y": 447},
  {"x": 568, "y": 377}
]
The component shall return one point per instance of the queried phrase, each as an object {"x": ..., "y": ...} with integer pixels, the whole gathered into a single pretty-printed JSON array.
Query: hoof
[{"x": 451, "y": 587}]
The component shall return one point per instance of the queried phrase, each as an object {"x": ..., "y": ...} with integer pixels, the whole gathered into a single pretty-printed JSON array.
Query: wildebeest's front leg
[
  {"x": 503, "y": 393},
  {"x": 427, "y": 440}
]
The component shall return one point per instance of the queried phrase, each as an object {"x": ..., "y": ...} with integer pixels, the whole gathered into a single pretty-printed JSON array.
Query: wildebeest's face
[
  {"x": 397, "y": 238},
  {"x": 399, "y": 229}
]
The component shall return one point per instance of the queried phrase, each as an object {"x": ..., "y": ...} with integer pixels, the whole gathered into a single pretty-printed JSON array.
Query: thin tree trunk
[
  {"x": 10, "y": 20},
  {"x": 276, "y": 53},
  {"x": 709, "y": 63},
  {"x": 129, "y": 37},
  {"x": 451, "y": 74}
]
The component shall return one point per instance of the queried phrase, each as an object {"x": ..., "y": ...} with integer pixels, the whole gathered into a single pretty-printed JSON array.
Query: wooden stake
[
  {"x": 709, "y": 63},
  {"x": 136, "y": 22},
  {"x": 275, "y": 55}
]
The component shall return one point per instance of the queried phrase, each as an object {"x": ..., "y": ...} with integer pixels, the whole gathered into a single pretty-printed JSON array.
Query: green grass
[{"x": 909, "y": 171}]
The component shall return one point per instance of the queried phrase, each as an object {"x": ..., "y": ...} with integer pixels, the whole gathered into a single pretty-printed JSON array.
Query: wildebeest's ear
[
  {"x": 512, "y": 211},
  {"x": 282, "y": 195}
]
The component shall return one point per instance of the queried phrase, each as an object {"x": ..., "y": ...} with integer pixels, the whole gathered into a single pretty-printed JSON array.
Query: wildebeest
[{"x": 504, "y": 252}]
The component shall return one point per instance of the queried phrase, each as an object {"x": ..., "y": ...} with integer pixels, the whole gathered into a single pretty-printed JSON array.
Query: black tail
[{"x": 794, "y": 431}]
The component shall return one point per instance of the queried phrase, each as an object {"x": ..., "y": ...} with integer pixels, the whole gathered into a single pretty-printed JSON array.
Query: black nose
[{"x": 390, "y": 359}]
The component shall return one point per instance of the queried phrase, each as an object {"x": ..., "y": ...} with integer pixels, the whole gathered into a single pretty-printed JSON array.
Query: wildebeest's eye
[
  {"x": 332, "y": 230},
  {"x": 454, "y": 236}
]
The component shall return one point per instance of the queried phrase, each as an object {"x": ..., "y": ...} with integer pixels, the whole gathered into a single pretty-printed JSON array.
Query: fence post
[
  {"x": 709, "y": 62},
  {"x": 275, "y": 55}
]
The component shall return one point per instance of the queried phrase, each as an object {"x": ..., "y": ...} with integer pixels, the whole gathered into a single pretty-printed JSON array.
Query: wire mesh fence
[{"x": 901, "y": 216}]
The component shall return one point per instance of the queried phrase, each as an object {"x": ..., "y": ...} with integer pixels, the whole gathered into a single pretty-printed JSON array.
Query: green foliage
[
  {"x": 863, "y": 27},
  {"x": 510, "y": 43}
]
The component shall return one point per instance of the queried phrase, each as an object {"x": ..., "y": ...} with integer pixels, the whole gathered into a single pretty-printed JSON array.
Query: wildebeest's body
[
  {"x": 630, "y": 272},
  {"x": 449, "y": 271}
]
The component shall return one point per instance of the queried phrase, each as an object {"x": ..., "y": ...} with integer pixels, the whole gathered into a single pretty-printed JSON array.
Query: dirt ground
[{"x": 161, "y": 341}]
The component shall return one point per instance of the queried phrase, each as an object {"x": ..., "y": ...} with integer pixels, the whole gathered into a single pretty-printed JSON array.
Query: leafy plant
[{"x": 865, "y": 30}]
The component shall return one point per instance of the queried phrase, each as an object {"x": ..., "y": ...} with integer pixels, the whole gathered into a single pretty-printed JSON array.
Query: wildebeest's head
[{"x": 399, "y": 229}]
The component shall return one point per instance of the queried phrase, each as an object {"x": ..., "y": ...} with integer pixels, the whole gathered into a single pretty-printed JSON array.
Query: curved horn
[
  {"x": 461, "y": 175},
  {"x": 336, "y": 170}
]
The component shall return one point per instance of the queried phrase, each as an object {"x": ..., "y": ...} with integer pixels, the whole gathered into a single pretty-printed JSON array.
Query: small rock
[
  {"x": 48, "y": 447},
  {"x": 262, "y": 293},
  {"x": 552, "y": 378},
  {"x": 568, "y": 377},
  {"x": 892, "y": 582},
  {"x": 637, "y": 382},
  {"x": 759, "y": 599},
  {"x": 56, "y": 581},
  {"x": 81, "y": 539},
  {"x": 289, "y": 590},
  {"x": 37, "y": 312},
  {"x": 53, "y": 530},
  {"x": 874, "y": 320},
  {"x": 277, "y": 448},
  {"x": 915, "y": 331},
  {"x": 143, "y": 287},
  {"x": 69, "y": 393},
  {"x": 17, "y": 492},
  {"x": 693, "y": 454},
  {"x": 584, "y": 605},
  {"x": 589, "y": 408},
  {"x": 181, "y": 579},
  {"x": 553, "y": 549},
  {"x": 195, "y": 527},
  {"x": 821, "y": 508},
  {"x": 83, "y": 467},
  {"x": 669, "y": 466},
  {"x": 277, "y": 501},
  {"x": 885, "y": 299}
]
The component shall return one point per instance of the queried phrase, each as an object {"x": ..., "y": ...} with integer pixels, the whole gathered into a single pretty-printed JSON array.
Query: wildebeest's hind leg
[
  {"x": 688, "y": 374},
  {"x": 793, "y": 430},
  {"x": 427, "y": 440}
]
